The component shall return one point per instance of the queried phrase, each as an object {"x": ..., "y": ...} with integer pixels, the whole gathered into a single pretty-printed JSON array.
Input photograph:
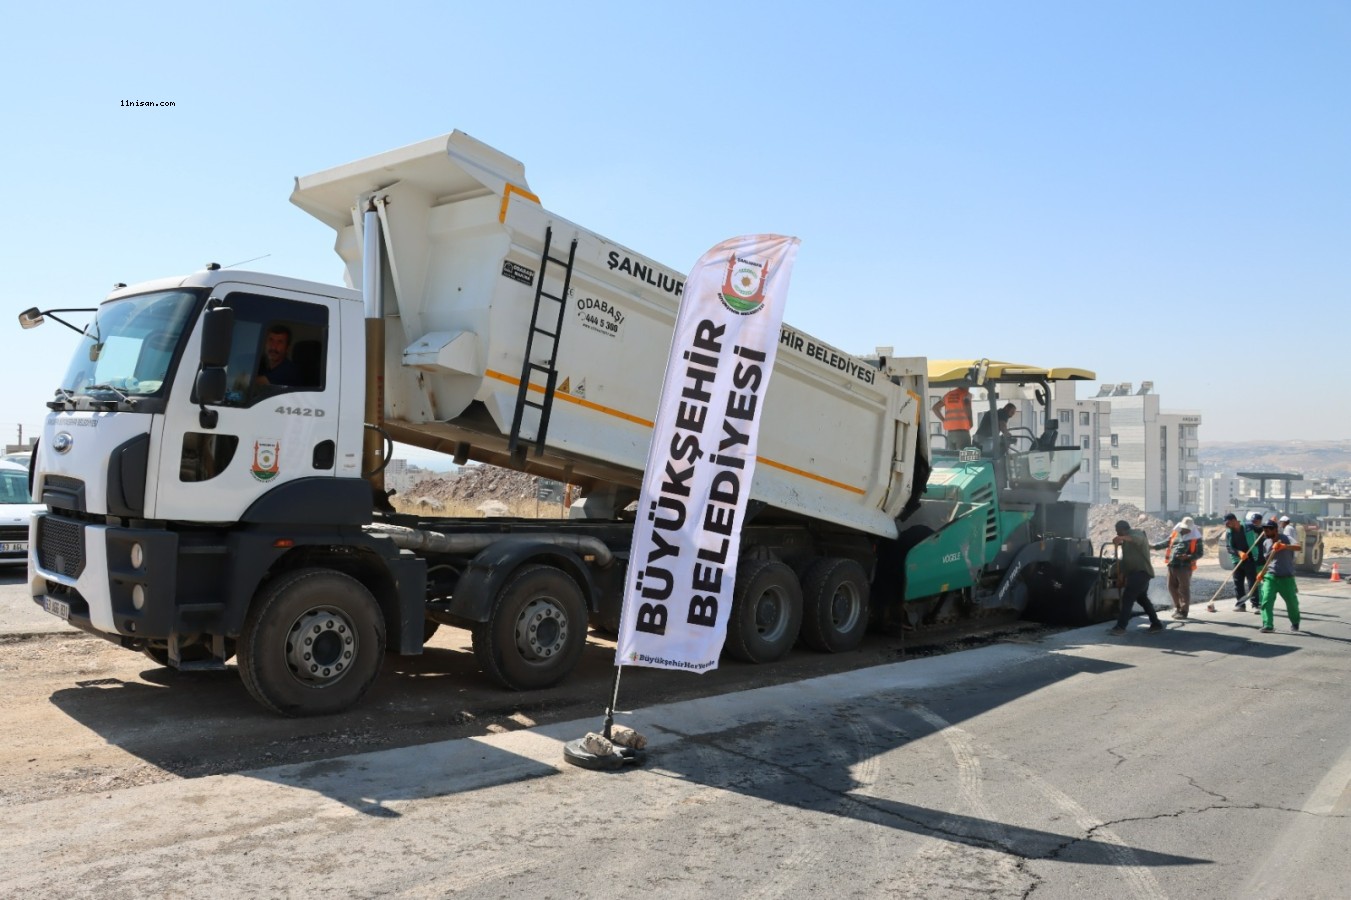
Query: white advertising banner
[{"x": 682, "y": 568}]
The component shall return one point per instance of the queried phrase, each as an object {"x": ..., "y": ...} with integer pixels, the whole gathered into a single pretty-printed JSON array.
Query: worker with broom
[
  {"x": 1240, "y": 538},
  {"x": 1278, "y": 577}
]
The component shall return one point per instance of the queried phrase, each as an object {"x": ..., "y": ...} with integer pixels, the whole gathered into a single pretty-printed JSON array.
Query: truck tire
[
  {"x": 834, "y": 605},
  {"x": 535, "y": 632},
  {"x": 312, "y": 644},
  {"x": 766, "y": 612}
]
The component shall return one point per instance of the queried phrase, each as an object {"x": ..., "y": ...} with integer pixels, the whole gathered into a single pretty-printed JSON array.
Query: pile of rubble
[
  {"x": 471, "y": 487},
  {"x": 1103, "y": 517}
]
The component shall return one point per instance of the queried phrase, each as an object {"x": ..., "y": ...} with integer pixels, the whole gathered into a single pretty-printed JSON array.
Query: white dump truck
[{"x": 211, "y": 461}]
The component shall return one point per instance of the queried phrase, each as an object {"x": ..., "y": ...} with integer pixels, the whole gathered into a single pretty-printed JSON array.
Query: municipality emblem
[
  {"x": 265, "y": 460},
  {"x": 743, "y": 287}
]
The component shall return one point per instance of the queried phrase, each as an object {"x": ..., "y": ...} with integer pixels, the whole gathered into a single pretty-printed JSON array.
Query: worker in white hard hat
[
  {"x": 1287, "y": 529},
  {"x": 1183, "y": 547}
]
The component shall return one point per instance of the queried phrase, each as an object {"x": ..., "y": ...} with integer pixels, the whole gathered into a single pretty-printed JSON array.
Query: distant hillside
[{"x": 1308, "y": 458}]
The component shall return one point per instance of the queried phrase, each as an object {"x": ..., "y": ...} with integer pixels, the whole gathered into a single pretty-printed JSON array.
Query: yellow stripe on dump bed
[
  {"x": 558, "y": 395},
  {"x": 516, "y": 382},
  {"x": 506, "y": 198}
]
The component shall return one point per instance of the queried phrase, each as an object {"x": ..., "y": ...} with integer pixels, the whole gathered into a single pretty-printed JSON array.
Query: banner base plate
[{"x": 575, "y": 753}]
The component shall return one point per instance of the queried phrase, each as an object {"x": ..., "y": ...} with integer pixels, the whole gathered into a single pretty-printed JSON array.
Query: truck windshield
[{"x": 129, "y": 348}]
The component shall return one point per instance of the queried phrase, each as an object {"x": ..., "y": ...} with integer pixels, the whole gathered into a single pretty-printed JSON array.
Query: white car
[
  {"x": 19, "y": 459},
  {"x": 16, "y": 511}
]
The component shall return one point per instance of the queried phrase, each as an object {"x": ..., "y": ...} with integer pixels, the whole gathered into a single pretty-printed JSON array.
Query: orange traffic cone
[{"x": 1336, "y": 573}]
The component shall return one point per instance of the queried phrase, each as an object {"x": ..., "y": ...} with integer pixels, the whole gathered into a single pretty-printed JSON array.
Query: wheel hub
[
  {"x": 541, "y": 630},
  {"x": 844, "y": 609},
  {"x": 321, "y": 646},
  {"x": 769, "y": 615}
]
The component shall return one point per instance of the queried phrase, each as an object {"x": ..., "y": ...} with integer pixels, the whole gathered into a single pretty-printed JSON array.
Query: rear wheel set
[{"x": 536, "y": 629}]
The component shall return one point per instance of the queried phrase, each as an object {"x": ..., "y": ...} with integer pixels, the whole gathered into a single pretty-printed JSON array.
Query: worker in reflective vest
[
  {"x": 953, "y": 409},
  {"x": 1184, "y": 546}
]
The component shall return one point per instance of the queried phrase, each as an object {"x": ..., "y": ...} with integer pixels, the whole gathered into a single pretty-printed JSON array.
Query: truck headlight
[
  {"x": 138, "y": 596},
  {"x": 137, "y": 556}
]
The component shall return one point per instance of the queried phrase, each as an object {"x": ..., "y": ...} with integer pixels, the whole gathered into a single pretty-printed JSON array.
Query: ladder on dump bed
[{"x": 531, "y": 371}]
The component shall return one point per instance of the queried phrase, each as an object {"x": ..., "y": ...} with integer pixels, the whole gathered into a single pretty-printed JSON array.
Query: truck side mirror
[
  {"x": 218, "y": 329},
  {"x": 210, "y": 390},
  {"x": 31, "y": 318},
  {"x": 211, "y": 385}
]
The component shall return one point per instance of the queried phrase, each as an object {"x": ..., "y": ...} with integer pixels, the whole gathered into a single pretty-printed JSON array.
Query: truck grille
[
  {"x": 13, "y": 533},
  {"x": 61, "y": 546}
]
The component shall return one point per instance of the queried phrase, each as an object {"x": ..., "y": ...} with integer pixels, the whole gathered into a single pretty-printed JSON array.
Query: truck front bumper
[{"x": 113, "y": 582}]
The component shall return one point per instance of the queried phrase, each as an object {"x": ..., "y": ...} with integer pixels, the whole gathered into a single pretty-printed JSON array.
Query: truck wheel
[
  {"x": 766, "y": 612},
  {"x": 535, "y": 632},
  {"x": 834, "y": 605},
  {"x": 312, "y": 644}
]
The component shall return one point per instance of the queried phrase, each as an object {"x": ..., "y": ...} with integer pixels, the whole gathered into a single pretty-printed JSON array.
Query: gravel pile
[
  {"x": 473, "y": 487},
  {"x": 1102, "y": 520}
]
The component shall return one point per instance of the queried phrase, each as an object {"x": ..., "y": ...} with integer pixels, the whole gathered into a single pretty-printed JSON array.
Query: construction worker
[
  {"x": 993, "y": 431},
  {"x": 1136, "y": 572},
  {"x": 1258, "y": 556},
  {"x": 1240, "y": 540},
  {"x": 953, "y": 409},
  {"x": 1181, "y": 550},
  {"x": 1279, "y": 577},
  {"x": 1287, "y": 527}
]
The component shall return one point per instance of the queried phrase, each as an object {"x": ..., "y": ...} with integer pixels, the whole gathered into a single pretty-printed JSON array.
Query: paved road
[{"x": 1208, "y": 761}]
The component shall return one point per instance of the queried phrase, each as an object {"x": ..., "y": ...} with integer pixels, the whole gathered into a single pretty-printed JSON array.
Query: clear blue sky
[{"x": 1150, "y": 190}]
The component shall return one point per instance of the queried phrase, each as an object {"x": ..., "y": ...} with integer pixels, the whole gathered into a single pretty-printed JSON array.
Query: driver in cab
[{"x": 277, "y": 368}]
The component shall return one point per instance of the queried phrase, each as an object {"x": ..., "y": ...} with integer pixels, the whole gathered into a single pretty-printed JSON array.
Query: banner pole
[{"x": 610, "y": 710}]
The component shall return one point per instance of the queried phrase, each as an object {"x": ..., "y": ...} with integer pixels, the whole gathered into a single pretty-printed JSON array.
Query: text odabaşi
[{"x": 699, "y": 428}]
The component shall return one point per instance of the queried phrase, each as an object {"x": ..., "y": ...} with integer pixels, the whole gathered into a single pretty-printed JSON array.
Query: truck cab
[
  {"x": 177, "y": 475},
  {"x": 134, "y": 387}
]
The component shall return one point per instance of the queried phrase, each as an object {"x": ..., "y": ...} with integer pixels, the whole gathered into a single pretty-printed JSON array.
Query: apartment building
[
  {"x": 1221, "y": 494},
  {"x": 1150, "y": 455}
]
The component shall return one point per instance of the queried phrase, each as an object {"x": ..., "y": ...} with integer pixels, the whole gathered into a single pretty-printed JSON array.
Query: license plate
[
  {"x": 56, "y": 607},
  {"x": 14, "y": 547}
]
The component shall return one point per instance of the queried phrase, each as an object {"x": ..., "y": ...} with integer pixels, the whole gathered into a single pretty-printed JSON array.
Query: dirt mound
[
  {"x": 1102, "y": 524},
  {"x": 488, "y": 489},
  {"x": 1103, "y": 517}
]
